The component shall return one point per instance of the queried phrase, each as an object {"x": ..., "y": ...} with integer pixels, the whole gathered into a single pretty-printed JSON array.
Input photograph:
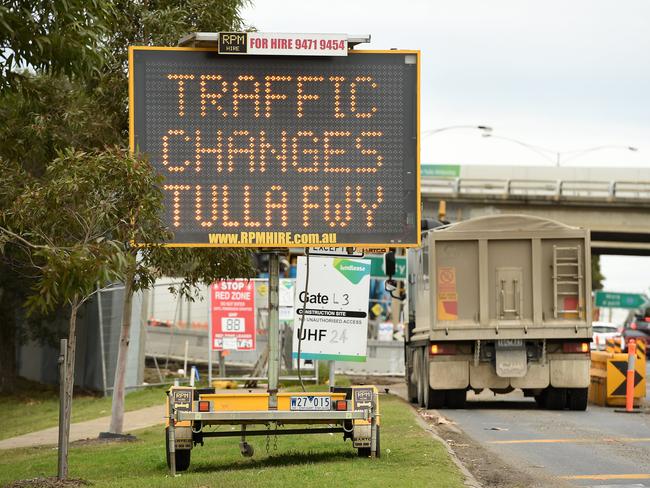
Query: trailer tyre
[
  {"x": 183, "y": 456},
  {"x": 366, "y": 451},
  {"x": 577, "y": 398}
]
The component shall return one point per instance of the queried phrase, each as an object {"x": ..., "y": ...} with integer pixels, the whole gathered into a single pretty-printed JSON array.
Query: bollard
[
  {"x": 629, "y": 380},
  {"x": 629, "y": 391}
]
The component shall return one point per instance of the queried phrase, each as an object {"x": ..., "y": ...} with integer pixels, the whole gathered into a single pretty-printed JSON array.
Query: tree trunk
[
  {"x": 69, "y": 383},
  {"x": 7, "y": 342},
  {"x": 117, "y": 409}
]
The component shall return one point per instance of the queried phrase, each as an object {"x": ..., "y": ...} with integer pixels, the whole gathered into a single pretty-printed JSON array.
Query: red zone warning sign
[{"x": 232, "y": 315}]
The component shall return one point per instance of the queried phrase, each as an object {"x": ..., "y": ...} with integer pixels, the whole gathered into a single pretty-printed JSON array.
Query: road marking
[
  {"x": 607, "y": 477},
  {"x": 575, "y": 441}
]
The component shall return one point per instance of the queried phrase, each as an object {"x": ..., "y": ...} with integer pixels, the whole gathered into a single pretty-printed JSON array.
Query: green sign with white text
[
  {"x": 608, "y": 299},
  {"x": 440, "y": 170}
]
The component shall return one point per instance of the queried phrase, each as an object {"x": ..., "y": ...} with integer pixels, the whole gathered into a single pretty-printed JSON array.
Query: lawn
[
  {"x": 410, "y": 457},
  {"x": 42, "y": 405}
]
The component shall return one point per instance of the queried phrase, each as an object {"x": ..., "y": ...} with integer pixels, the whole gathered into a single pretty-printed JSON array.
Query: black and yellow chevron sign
[
  {"x": 613, "y": 345},
  {"x": 617, "y": 377}
]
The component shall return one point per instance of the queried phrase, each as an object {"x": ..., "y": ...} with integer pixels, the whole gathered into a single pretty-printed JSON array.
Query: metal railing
[{"x": 610, "y": 191}]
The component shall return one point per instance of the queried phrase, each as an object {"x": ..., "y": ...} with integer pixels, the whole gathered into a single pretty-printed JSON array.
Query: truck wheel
[
  {"x": 424, "y": 377},
  {"x": 182, "y": 455},
  {"x": 418, "y": 372},
  {"x": 411, "y": 385},
  {"x": 577, "y": 398},
  {"x": 455, "y": 398},
  {"x": 436, "y": 398},
  {"x": 555, "y": 398}
]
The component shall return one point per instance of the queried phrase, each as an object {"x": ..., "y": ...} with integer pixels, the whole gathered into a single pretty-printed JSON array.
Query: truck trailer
[{"x": 501, "y": 303}]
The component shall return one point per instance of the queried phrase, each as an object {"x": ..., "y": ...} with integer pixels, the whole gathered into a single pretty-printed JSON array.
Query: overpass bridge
[{"x": 613, "y": 203}]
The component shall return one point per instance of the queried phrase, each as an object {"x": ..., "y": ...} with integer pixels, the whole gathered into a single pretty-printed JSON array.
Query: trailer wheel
[
  {"x": 366, "y": 451},
  {"x": 182, "y": 455},
  {"x": 455, "y": 398},
  {"x": 555, "y": 398},
  {"x": 577, "y": 398}
]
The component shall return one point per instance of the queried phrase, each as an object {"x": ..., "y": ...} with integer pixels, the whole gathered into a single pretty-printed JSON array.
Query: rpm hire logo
[{"x": 354, "y": 271}]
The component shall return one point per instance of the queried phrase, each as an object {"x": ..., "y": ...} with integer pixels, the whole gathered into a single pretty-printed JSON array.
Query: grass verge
[
  {"x": 410, "y": 458},
  {"x": 41, "y": 403}
]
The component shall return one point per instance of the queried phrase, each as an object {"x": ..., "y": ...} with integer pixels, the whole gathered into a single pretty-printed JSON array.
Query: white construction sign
[{"x": 335, "y": 309}]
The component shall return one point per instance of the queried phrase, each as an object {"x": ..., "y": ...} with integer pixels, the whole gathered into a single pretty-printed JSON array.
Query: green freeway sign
[
  {"x": 440, "y": 170},
  {"x": 377, "y": 267},
  {"x": 620, "y": 300}
]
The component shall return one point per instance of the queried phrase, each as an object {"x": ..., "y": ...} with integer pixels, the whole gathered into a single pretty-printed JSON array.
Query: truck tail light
[
  {"x": 633, "y": 326},
  {"x": 575, "y": 347},
  {"x": 204, "y": 406},
  {"x": 341, "y": 405},
  {"x": 442, "y": 349}
]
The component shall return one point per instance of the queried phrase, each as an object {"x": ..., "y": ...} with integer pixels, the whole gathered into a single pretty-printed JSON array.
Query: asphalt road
[{"x": 598, "y": 447}]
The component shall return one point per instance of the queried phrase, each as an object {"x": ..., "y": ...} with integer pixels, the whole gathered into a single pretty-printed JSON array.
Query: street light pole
[
  {"x": 485, "y": 128},
  {"x": 556, "y": 156}
]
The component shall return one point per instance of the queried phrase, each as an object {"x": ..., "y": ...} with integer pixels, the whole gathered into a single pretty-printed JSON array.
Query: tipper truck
[{"x": 501, "y": 303}]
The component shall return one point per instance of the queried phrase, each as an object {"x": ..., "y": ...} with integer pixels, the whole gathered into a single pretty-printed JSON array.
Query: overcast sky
[{"x": 565, "y": 75}]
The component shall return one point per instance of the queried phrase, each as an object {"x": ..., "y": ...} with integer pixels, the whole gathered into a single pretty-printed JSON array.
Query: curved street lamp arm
[
  {"x": 576, "y": 153},
  {"x": 542, "y": 151}
]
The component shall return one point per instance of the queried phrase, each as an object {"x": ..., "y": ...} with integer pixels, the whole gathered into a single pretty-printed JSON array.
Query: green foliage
[
  {"x": 58, "y": 37},
  {"x": 597, "y": 276},
  {"x": 70, "y": 215},
  {"x": 75, "y": 222},
  {"x": 53, "y": 115}
]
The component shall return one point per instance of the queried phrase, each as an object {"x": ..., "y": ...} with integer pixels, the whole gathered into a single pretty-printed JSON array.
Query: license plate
[
  {"x": 311, "y": 402},
  {"x": 509, "y": 343}
]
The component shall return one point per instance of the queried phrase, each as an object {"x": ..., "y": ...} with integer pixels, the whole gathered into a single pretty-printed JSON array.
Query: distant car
[
  {"x": 637, "y": 326},
  {"x": 601, "y": 332}
]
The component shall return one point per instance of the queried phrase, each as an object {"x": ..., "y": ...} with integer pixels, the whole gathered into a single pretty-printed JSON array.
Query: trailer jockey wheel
[{"x": 246, "y": 449}]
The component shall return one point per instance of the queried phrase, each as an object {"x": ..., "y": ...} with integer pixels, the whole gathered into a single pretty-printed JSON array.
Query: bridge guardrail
[{"x": 611, "y": 191}]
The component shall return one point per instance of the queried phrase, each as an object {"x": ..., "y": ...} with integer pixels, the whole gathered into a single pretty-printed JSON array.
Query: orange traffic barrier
[{"x": 631, "y": 358}]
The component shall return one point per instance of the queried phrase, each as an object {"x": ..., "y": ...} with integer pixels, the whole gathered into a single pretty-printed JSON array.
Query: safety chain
[
  {"x": 268, "y": 438},
  {"x": 275, "y": 438}
]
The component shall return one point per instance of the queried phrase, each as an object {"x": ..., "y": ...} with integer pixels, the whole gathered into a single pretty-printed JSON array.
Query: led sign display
[{"x": 279, "y": 151}]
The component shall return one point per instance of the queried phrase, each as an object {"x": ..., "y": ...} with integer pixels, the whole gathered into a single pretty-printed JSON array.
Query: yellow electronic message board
[{"x": 279, "y": 151}]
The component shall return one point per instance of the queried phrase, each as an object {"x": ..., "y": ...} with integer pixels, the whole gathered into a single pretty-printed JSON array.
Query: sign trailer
[{"x": 276, "y": 141}]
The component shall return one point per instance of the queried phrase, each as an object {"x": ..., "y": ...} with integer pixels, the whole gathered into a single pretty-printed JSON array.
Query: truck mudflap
[
  {"x": 565, "y": 371},
  {"x": 510, "y": 358},
  {"x": 570, "y": 372}
]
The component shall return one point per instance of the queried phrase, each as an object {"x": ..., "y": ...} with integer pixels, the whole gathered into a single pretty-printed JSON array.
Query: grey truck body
[{"x": 505, "y": 301}]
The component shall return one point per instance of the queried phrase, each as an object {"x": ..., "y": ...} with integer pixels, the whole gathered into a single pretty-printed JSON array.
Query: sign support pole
[
  {"x": 222, "y": 365},
  {"x": 210, "y": 341},
  {"x": 274, "y": 329},
  {"x": 332, "y": 365}
]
